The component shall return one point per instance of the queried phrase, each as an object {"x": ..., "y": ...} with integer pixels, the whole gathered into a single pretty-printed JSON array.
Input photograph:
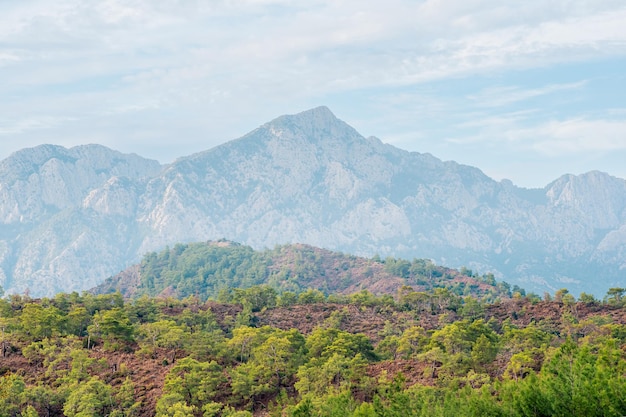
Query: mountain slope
[
  {"x": 307, "y": 178},
  {"x": 311, "y": 178},
  {"x": 67, "y": 216}
]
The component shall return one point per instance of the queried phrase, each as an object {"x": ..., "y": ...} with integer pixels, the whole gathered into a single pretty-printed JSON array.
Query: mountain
[
  {"x": 67, "y": 216},
  {"x": 71, "y": 218}
]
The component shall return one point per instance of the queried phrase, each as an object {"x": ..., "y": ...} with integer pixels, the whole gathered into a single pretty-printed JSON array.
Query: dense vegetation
[
  {"x": 208, "y": 270},
  {"x": 258, "y": 351}
]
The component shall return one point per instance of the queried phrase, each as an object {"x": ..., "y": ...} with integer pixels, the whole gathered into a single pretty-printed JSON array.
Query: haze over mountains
[{"x": 69, "y": 218}]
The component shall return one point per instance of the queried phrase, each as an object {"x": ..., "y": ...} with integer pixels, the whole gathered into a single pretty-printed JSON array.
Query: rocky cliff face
[
  {"x": 71, "y": 218},
  {"x": 67, "y": 216}
]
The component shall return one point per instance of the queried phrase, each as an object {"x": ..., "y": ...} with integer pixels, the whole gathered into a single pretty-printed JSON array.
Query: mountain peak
[
  {"x": 321, "y": 112},
  {"x": 318, "y": 116},
  {"x": 315, "y": 123}
]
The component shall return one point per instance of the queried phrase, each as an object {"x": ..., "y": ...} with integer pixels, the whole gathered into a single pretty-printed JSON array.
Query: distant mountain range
[{"x": 70, "y": 218}]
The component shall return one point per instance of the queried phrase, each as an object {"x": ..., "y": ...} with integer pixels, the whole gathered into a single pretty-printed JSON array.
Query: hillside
[
  {"x": 70, "y": 218},
  {"x": 210, "y": 269},
  {"x": 425, "y": 353}
]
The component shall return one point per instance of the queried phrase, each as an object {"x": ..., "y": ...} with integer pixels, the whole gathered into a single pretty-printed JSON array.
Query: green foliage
[
  {"x": 101, "y": 302},
  {"x": 77, "y": 320},
  {"x": 30, "y": 412},
  {"x": 413, "y": 341},
  {"x": 311, "y": 296},
  {"x": 143, "y": 310},
  {"x": 70, "y": 351},
  {"x": 587, "y": 298},
  {"x": 127, "y": 406},
  {"x": 91, "y": 399},
  {"x": 271, "y": 359},
  {"x": 173, "y": 405},
  {"x": 202, "y": 269},
  {"x": 42, "y": 397},
  {"x": 112, "y": 327},
  {"x": 321, "y": 376},
  {"x": 484, "y": 351},
  {"x": 257, "y": 297},
  {"x": 615, "y": 296},
  {"x": 40, "y": 322},
  {"x": 163, "y": 334},
  {"x": 472, "y": 309},
  {"x": 225, "y": 271},
  {"x": 337, "y": 361},
  {"x": 193, "y": 381},
  {"x": 11, "y": 388},
  {"x": 324, "y": 342}
]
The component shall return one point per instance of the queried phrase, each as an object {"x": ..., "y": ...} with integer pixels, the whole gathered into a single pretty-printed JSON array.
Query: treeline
[{"x": 438, "y": 354}]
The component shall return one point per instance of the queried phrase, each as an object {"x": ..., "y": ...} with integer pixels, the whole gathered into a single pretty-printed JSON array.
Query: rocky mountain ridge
[{"x": 69, "y": 218}]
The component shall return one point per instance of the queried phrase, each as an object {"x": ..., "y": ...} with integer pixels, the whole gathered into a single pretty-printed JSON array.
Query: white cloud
[
  {"x": 13, "y": 127},
  {"x": 576, "y": 136},
  {"x": 523, "y": 131},
  {"x": 8, "y": 57},
  {"x": 397, "y": 43},
  {"x": 521, "y": 46},
  {"x": 497, "y": 122},
  {"x": 116, "y": 12},
  {"x": 551, "y": 138},
  {"x": 504, "y": 95}
]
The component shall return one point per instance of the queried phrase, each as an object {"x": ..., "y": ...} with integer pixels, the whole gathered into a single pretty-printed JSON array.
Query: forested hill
[{"x": 207, "y": 269}]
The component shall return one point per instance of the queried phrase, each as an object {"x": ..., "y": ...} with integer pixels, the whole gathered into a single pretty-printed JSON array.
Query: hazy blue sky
[{"x": 525, "y": 90}]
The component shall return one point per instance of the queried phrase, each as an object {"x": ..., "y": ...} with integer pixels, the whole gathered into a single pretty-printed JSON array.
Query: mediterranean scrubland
[{"x": 243, "y": 336}]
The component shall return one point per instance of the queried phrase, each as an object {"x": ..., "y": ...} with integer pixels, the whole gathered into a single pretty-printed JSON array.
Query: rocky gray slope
[
  {"x": 71, "y": 218},
  {"x": 67, "y": 216}
]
